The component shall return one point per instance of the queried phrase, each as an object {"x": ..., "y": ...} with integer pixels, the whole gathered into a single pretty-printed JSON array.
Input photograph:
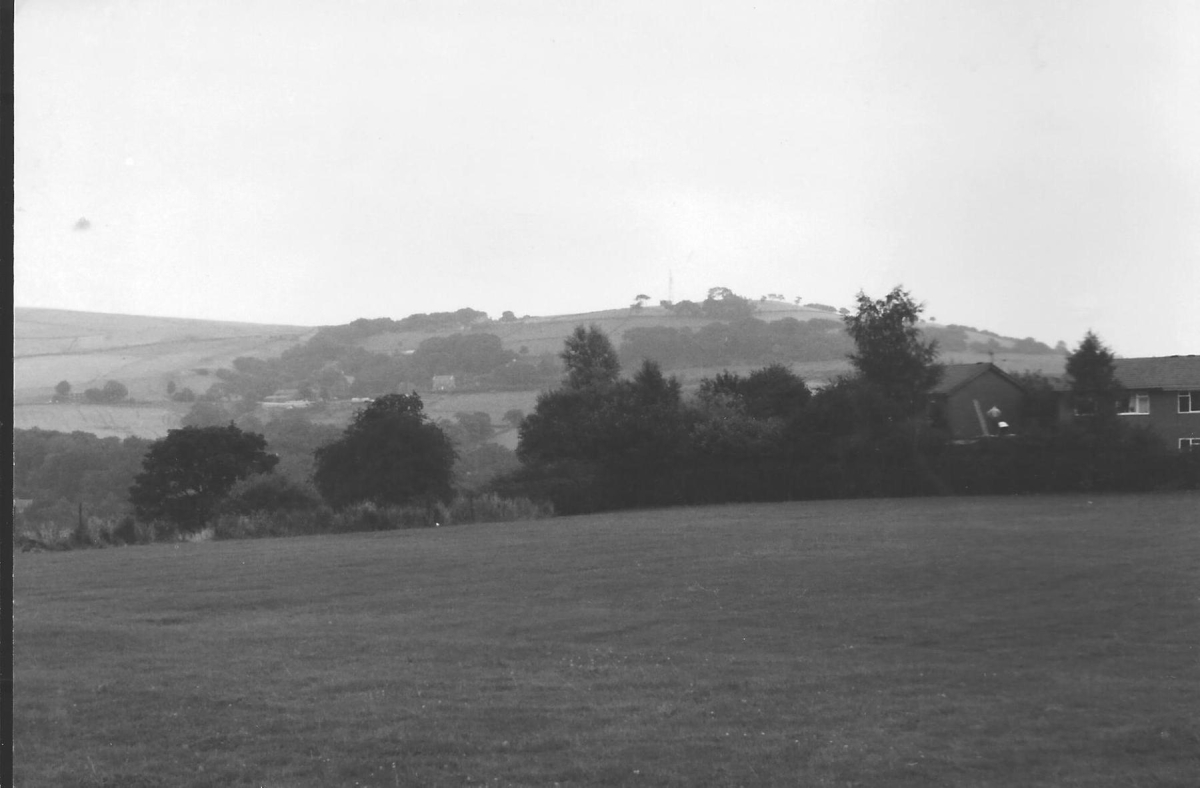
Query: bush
[
  {"x": 368, "y": 516},
  {"x": 268, "y": 493},
  {"x": 260, "y": 524},
  {"x": 70, "y": 534},
  {"x": 492, "y": 508}
]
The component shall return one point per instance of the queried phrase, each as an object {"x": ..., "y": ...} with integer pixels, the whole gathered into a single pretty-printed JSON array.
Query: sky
[{"x": 1028, "y": 167}]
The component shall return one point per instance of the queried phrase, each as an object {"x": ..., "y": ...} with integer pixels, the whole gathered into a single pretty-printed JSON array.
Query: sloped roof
[
  {"x": 955, "y": 376},
  {"x": 1160, "y": 372}
]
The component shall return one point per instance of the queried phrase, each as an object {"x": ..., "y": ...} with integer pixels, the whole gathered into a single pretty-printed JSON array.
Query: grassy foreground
[{"x": 1020, "y": 641}]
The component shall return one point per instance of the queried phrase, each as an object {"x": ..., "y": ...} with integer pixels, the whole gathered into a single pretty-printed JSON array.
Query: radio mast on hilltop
[{"x": 670, "y": 285}]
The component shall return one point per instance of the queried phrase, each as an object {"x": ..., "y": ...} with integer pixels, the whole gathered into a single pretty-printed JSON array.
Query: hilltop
[{"x": 149, "y": 354}]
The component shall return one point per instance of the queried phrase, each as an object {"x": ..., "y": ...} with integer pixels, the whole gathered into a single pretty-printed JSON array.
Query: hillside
[
  {"x": 147, "y": 353},
  {"x": 88, "y": 348}
]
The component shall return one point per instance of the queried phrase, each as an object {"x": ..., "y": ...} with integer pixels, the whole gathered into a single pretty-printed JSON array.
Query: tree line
[{"x": 601, "y": 441}]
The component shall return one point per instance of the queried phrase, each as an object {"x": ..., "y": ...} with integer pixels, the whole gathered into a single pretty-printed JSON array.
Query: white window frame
[
  {"x": 1189, "y": 444},
  {"x": 1133, "y": 405},
  {"x": 1193, "y": 400}
]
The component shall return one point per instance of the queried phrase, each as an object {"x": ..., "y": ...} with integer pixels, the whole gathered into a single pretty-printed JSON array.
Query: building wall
[
  {"x": 1164, "y": 417},
  {"x": 992, "y": 391}
]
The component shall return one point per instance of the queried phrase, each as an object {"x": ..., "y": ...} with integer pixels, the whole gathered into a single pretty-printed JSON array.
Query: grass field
[{"x": 1049, "y": 641}]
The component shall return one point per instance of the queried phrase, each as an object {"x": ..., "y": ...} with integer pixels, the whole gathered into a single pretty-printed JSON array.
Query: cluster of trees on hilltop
[
  {"x": 358, "y": 330},
  {"x": 720, "y": 304},
  {"x": 329, "y": 366},
  {"x": 746, "y": 341}
]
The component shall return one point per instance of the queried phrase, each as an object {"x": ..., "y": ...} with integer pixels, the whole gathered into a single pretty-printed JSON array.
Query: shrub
[
  {"x": 492, "y": 508},
  {"x": 268, "y": 493},
  {"x": 260, "y": 524}
]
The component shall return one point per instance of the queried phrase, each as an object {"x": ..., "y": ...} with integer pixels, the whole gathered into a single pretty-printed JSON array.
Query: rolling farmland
[{"x": 145, "y": 353}]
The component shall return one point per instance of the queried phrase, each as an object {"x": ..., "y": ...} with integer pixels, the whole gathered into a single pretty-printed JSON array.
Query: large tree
[
  {"x": 590, "y": 359},
  {"x": 187, "y": 474},
  {"x": 1094, "y": 386},
  {"x": 390, "y": 454},
  {"x": 892, "y": 356}
]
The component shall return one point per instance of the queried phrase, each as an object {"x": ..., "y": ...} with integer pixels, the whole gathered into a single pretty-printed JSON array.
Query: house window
[
  {"x": 1135, "y": 405},
  {"x": 1189, "y": 444},
  {"x": 1189, "y": 402}
]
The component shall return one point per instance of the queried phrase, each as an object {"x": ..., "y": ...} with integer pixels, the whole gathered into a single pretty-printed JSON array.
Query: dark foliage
[
  {"x": 891, "y": 354},
  {"x": 747, "y": 341},
  {"x": 58, "y": 471},
  {"x": 390, "y": 454},
  {"x": 268, "y": 493},
  {"x": 589, "y": 359},
  {"x": 636, "y": 443},
  {"x": 113, "y": 391},
  {"x": 186, "y": 475},
  {"x": 1094, "y": 386},
  {"x": 466, "y": 354}
]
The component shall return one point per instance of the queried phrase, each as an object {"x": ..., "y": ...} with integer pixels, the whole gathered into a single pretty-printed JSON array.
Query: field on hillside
[
  {"x": 1039, "y": 641},
  {"x": 86, "y": 349},
  {"x": 105, "y": 421}
]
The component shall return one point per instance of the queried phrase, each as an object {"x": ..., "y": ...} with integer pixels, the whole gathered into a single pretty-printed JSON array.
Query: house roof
[
  {"x": 955, "y": 376},
  {"x": 1161, "y": 372}
]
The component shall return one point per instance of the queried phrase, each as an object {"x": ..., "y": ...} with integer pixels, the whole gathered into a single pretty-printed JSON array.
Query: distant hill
[
  {"x": 147, "y": 353},
  {"x": 89, "y": 348}
]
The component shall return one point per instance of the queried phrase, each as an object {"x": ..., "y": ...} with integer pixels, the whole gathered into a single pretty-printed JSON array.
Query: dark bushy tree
[
  {"x": 891, "y": 354},
  {"x": 186, "y": 475},
  {"x": 113, "y": 391},
  {"x": 771, "y": 392},
  {"x": 390, "y": 454},
  {"x": 590, "y": 359},
  {"x": 1094, "y": 387}
]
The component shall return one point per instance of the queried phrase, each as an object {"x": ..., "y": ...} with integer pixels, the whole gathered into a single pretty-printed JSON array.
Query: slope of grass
[
  {"x": 1028, "y": 641},
  {"x": 104, "y": 421},
  {"x": 87, "y": 348}
]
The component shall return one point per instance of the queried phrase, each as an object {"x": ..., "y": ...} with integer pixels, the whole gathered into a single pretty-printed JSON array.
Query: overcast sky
[{"x": 1028, "y": 167}]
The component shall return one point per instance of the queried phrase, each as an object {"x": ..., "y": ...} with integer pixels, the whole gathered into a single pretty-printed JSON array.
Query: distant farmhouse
[
  {"x": 1164, "y": 393},
  {"x": 443, "y": 382},
  {"x": 977, "y": 401}
]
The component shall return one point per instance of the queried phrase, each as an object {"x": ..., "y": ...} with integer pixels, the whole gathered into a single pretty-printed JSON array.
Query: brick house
[
  {"x": 976, "y": 400},
  {"x": 1163, "y": 393}
]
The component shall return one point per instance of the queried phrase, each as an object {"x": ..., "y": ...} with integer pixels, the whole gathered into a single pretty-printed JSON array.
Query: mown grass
[{"x": 1027, "y": 641}]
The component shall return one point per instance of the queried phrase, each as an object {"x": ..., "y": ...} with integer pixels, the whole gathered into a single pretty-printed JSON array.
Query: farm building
[
  {"x": 443, "y": 382},
  {"x": 976, "y": 401}
]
